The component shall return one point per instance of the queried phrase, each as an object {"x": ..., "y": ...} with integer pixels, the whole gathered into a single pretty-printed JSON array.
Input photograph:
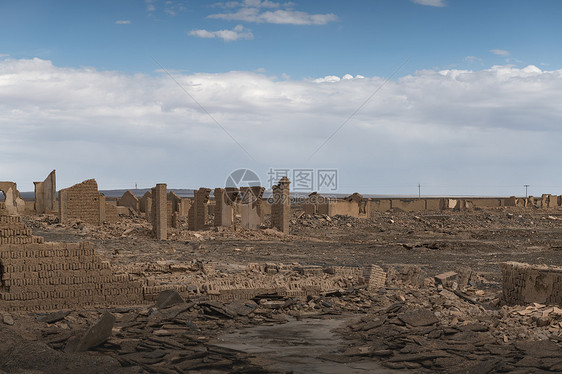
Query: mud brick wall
[
  {"x": 198, "y": 214},
  {"x": 61, "y": 276},
  {"x": 129, "y": 200},
  {"x": 524, "y": 283},
  {"x": 160, "y": 212},
  {"x": 81, "y": 202},
  {"x": 250, "y": 207},
  {"x": 46, "y": 194},
  {"x": 111, "y": 213},
  {"x": 224, "y": 207},
  {"x": 281, "y": 207},
  {"x": 145, "y": 202}
]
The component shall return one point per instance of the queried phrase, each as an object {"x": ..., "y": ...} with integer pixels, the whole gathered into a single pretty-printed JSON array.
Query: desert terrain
[{"x": 417, "y": 322}]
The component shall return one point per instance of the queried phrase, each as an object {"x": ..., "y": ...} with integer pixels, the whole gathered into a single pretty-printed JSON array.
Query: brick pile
[
  {"x": 46, "y": 276},
  {"x": 524, "y": 284},
  {"x": 272, "y": 279}
]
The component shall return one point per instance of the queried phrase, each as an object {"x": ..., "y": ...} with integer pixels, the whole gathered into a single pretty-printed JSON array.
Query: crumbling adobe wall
[
  {"x": 433, "y": 204},
  {"x": 81, "y": 202},
  {"x": 315, "y": 204},
  {"x": 46, "y": 194},
  {"x": 160, "y": 212},
  {"x": 380, "y": 205},
  {"x": 409, "y": 205},
  {"x": 84, "y": 202},
  {"x": 224, "y": 206},
  {"x": 129, "y": 200},
  {"x": 524, "y": 284},
  {"x": 281, "y": 207},
  {"x": 251, "y": 215},
  {"x": 484, "y": 202},
  {"x": 145, "y": 203},
  {"x": 111, "y": 213},
  {"x": 549, "y": 201},
  {"x": 197, "y": 217},
  {"x": 13, "y": 203}
]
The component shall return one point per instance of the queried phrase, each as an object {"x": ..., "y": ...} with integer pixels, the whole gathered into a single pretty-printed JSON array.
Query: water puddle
[{"x": 297, "y": 346}]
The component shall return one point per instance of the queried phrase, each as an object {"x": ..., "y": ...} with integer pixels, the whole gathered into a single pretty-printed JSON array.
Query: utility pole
[
  {"x": 526, "y": 187},
  {"x": 419, "y": 190}
]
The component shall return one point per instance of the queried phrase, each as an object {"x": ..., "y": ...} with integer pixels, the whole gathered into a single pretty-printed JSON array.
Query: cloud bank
[{"x": 453, "y": 131}]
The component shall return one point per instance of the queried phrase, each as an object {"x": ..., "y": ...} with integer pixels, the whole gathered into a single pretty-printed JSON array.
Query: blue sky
[
  {"x": 363, "y": 37},
  {"x": 478, "y": 83}
]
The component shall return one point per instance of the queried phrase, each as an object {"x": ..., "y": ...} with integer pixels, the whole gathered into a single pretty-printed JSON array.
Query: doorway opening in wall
[{"x": 2, "y": 196}]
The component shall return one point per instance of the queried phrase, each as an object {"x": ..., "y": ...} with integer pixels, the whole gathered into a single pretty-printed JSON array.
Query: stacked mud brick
[
  {"x": 375, "y": 277},
  {"x": 84, "y": 202},
  {"x": 46, "y": 276},
  {"x": 524, "y": 283},
  {"x": 14, "y": 231}
]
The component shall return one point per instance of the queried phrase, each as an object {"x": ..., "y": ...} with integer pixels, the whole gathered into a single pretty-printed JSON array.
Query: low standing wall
[{"x": 524, "y": 284}]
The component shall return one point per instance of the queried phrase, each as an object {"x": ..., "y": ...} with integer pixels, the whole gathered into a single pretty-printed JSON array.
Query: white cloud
[
  {"x": 473, "y": 59},
  {"x": 335, "y": 78},
  {"x": 150, "y": 6},
  {"x": 251, "y": 11},
  {"x": 499, "y": 52},
  {"x": 437, "y": 3},
  {"x": 123, "y": 22},
  {"x": 251, "y": 3},
  {"x": 239, "y": 32},
  {"x": 450, "y": 128}
]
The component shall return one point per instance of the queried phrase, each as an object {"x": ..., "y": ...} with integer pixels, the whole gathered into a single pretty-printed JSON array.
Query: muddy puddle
[{"x": 305, "y": 346}]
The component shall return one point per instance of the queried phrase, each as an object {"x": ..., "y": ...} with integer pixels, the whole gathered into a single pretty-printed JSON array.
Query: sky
[{"x": 446, "y": 97}]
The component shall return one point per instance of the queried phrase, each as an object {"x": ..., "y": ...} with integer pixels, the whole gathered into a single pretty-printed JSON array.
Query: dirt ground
[
  {"x": 410, "y": 325},
  {"x": 435, "y": 241}
]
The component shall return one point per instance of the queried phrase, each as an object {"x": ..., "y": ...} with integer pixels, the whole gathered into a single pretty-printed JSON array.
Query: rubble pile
[{"x": 440, "y": 326}]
